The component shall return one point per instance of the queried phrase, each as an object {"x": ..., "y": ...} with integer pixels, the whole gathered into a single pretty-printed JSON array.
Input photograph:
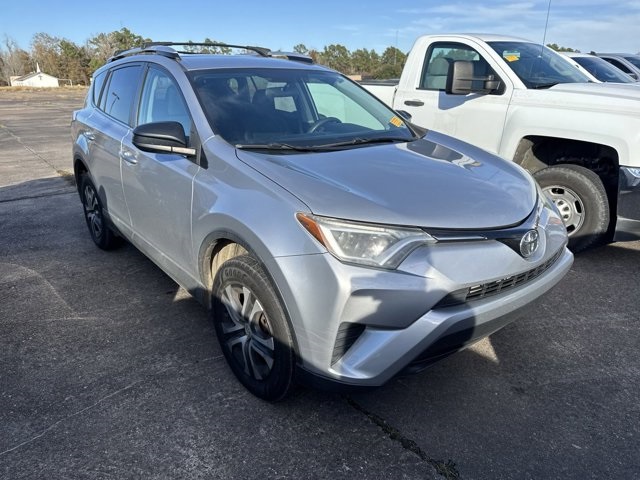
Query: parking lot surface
[{"x": 109, "y": 370}]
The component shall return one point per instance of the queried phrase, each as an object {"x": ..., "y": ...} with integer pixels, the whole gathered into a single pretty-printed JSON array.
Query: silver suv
[{"x": 333, "y": 242}]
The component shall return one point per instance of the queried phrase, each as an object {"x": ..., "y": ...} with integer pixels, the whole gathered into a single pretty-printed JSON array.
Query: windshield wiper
[
  {"x": 364, "y": 141},
  {"x": 274, "y": 146},
  {"x": 319, "y": 148}
]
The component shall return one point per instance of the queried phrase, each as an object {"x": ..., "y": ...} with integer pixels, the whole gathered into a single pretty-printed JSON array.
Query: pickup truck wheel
[
  {"x": 580, "y": 197},
  {"x": 99, "y": 229},
  {"x": 252, "y": 328}
]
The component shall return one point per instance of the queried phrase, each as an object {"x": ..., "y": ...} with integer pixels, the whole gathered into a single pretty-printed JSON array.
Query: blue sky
[{"x": 585, "y": 25}]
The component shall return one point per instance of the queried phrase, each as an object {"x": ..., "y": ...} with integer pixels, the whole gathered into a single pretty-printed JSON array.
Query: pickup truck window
[
  {"x": 299, "y": 108},
  {"x": 537, "y": 66},
  {"x": 441, "y": 55}
]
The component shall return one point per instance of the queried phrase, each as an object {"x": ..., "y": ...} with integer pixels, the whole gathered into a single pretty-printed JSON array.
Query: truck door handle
[
  {"x": 414, "y": 103},
  {"x": 128, "y": 157}
]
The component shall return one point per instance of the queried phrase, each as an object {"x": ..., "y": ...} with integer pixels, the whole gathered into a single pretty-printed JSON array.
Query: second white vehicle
[{"x": 601, "y": 70}]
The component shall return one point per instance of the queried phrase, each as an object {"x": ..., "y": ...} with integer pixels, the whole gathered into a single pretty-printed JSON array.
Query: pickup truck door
[
  {"x": 158, "y": 187},
  {"x": 476, "y": 118}
]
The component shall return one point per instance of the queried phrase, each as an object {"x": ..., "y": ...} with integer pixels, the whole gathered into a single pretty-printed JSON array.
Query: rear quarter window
[{"x": 96, "y": 87}]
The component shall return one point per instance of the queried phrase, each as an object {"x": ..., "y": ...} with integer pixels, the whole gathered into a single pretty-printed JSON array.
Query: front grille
[{"x": 483, "y": 290}]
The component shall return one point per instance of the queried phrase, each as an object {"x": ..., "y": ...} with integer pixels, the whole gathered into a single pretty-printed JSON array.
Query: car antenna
[{"x": 546, "y": 24}]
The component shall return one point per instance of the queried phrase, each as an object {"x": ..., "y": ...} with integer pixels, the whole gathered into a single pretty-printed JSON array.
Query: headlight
[{"x": 363, "y": 243}]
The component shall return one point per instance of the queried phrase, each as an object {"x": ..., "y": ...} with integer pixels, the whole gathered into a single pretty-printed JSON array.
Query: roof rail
[
  {"x": 158, "y": 49},
  {"x": 166, "y": 49},
  {"x": 262, "y": 51},
  {"x": 294, "y": 56}
]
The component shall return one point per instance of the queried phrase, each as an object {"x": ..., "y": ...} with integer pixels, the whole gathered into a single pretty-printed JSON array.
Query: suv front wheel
[{"x": 252, "y": 328}]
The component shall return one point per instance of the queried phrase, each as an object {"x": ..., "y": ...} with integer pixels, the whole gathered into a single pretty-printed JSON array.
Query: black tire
[
  {"x": 99, "y": 229},
  {"x": 252, "y": 328},
  {"x": 582, "y": 200}
]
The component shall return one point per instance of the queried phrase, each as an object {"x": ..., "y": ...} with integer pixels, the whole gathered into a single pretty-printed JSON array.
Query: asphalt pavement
[{"x": 109, "y": 370}]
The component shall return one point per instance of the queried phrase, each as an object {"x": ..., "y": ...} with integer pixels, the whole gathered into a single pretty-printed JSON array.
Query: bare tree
[{"x": 14, "y": 61}]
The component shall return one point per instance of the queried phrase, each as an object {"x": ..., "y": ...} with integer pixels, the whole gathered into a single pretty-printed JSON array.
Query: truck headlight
[{"x": 364, "y": 243}]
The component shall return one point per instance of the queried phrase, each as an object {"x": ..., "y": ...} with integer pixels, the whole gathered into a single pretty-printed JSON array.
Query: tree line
[{"x": 75, "y": 64}]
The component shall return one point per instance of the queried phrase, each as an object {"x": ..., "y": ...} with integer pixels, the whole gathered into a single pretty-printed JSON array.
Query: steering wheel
[{"x": 322, "y": 122}]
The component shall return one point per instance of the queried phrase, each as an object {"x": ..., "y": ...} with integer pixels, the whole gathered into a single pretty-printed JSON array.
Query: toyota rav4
[{"x": 333, "y": 241}]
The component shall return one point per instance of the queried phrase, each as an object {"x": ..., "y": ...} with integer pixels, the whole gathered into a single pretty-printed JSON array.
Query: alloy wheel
[
  {"x": 247, "y": 332},
  {"x": 92, "y": 211}
]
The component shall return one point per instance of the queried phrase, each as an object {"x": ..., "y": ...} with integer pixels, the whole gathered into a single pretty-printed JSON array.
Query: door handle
[
  {"x": 128, "y": 156},
  {"x": 414, "y": 103}
]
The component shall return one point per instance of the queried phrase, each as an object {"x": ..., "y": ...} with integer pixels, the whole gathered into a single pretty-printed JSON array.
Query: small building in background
[{"x": 35, "y": 79}]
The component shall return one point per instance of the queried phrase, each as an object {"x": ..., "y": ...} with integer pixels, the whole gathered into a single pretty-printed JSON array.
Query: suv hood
[
  {"x": 436, "y": 182},
  {"x": 602, "y": 97}
]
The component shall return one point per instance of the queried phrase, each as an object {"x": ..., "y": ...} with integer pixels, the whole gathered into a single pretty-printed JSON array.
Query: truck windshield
[
  {"x": 537, "y": 66},
  {"x": 289, "y": 109}
]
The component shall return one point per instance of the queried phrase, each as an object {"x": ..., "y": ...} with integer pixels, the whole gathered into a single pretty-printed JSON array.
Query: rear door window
[{"x": 97, "y": 84}]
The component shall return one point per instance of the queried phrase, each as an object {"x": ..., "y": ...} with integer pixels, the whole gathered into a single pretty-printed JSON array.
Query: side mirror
[
  {"x": 162, "y": 137},
  {"x": 460, "y": 80}
]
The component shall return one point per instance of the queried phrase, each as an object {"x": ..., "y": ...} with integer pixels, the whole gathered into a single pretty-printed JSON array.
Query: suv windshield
[
  {"x": 537, "y": 66},
  {"x": 293, "y": 109}
]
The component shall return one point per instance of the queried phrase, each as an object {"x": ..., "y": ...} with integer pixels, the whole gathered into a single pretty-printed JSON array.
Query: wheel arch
[
  {"x": 534, "y": 153},
  {"x": 222, "y": 245},
  {"x": 79, "y": 168}
]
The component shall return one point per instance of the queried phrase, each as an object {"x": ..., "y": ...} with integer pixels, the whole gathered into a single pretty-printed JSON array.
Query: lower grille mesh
[{"x": 483, "y": 290}]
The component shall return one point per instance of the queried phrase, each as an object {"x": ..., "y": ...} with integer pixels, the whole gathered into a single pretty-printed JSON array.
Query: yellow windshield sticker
[
  {"x": 511, "y": 55},
  {"x": 396, "y": 122}
]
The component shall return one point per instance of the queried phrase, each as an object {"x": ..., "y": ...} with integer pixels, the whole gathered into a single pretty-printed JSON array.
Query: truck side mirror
[{"x": 460, "y": 80}]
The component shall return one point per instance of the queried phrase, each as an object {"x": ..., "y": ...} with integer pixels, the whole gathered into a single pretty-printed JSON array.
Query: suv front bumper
[{"x": 361, "y": 326}]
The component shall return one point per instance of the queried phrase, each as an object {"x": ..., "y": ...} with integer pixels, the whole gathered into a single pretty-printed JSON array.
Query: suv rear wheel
[{"x": 99, "y": 229}]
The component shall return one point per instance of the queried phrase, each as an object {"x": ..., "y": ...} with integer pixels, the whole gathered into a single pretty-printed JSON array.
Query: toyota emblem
[{"x": 529, "y": 243}]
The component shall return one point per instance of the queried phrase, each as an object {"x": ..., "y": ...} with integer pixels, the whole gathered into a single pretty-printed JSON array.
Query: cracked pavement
[{"x": 109, "y": 370}]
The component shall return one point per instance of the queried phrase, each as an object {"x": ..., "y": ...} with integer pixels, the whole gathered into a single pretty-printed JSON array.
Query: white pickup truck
[{"x": 523, "y": 101}]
